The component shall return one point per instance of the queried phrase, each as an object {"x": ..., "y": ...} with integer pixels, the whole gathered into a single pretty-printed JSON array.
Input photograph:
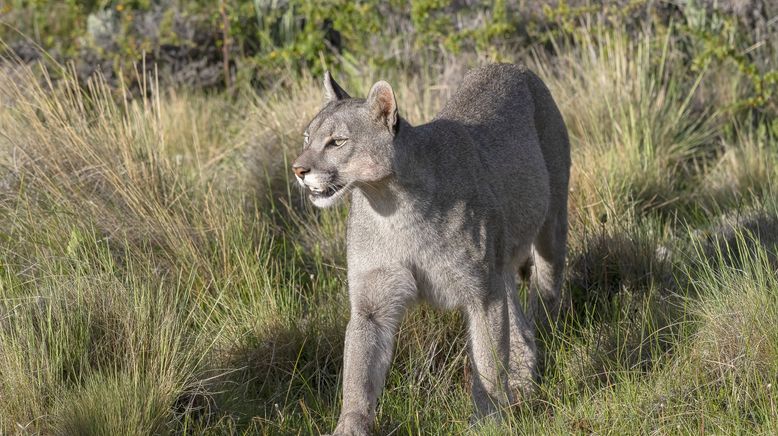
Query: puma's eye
[{"x": 337, "y": 142}]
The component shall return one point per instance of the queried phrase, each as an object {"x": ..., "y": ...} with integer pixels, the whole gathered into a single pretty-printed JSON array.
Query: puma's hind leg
[
  {"x": 547, "y": 270},
  {"x": 489, "y": 354},
  {"x": 523, "y": 355}
]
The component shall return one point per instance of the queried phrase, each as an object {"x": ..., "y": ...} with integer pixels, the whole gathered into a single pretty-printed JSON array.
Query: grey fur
[{"x": 446, "y": 212}]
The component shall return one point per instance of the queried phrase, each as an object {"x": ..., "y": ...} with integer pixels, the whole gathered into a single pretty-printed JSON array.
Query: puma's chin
[{"x": 326, "y": 198}]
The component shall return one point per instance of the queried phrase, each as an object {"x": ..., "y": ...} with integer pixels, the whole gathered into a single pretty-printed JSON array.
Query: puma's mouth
[
  {"x": 326, "y": 197},
  {"x": 328, "y": 192}
]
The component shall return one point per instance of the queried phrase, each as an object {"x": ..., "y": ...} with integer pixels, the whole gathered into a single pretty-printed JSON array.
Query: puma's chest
[{"x": 445, "y": 252}]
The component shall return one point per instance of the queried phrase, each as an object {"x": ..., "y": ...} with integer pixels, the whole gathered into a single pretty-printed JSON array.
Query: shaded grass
[{"x": 159, "y": 273}]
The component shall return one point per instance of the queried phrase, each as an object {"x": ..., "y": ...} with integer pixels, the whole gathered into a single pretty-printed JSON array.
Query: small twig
[{"x": 226, "y": 42}]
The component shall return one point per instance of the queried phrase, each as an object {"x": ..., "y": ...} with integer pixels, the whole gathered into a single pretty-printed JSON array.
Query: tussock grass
[
  {"x": 744, "y": 171},
  {"x": 627, "y": 105},
  {"x": 159, "y": 273}
]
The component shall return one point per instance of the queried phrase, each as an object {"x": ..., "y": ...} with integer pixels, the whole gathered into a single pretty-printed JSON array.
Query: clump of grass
[
  {"x": 626, "y": 103},
  {"x": 710, "y": 368},
  {"x": 121, "y": 166},
  {"x": 618, "y": 256},
  {"x": 744, "y": 172},
  {"x": 737, "y": 335},
  {"x": 723, "y": 239},
  {"x": 119, "y": 239},
  {"x": 75, "y": 320},
  {"x": 120, "y": 404}
]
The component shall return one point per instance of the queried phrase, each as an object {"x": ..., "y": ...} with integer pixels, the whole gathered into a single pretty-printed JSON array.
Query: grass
[{"x": 159, "y": 274}]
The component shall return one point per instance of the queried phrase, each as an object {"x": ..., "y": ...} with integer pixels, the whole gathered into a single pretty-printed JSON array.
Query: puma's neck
[{"x": 411, "y": 179}]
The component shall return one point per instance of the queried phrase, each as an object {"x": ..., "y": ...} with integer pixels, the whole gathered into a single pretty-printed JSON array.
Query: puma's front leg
[{"x": 379, "y": 299}]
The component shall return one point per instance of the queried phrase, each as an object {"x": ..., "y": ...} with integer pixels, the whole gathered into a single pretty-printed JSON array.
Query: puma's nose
[{"x": 300, "y": 170}]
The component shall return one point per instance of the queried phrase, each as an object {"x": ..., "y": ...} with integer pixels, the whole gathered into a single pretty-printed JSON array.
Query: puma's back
[{"x": 507, "y": 101}]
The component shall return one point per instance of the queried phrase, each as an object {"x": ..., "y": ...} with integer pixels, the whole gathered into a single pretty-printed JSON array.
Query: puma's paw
[{"x": 353, "y": 424}]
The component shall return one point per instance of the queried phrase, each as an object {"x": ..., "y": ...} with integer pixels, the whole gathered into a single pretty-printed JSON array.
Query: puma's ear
[
  {"x": 383, "y": 105},
  {"x": 332, "y": 91}
]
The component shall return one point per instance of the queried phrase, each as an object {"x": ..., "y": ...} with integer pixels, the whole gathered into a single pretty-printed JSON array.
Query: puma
[{"x": 446, "y": 212}]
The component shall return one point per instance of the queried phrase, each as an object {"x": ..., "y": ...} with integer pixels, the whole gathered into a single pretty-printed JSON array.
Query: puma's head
[{"x": 348, "y": 143}]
